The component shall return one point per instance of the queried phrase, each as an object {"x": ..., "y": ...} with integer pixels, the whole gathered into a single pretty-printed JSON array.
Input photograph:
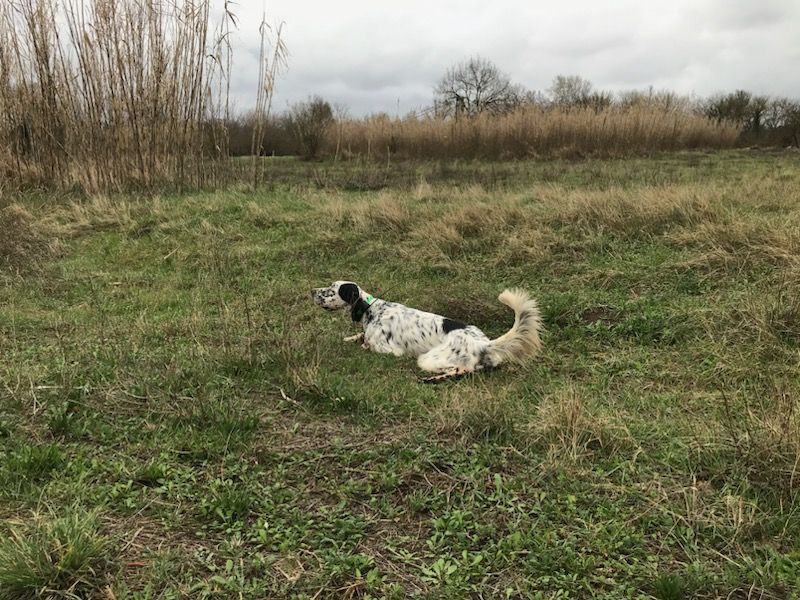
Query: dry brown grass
[
  {"x": 564, "y": 427},
  {"x": 715, "y": 222},
  {"x": 96, "y": 214},
  {"x": 771, "y": 317},
  {"x": 649, "y": 211},
  {"x": 441, "y": 224},
  {"x": 766, "y": 438},
  {"x": 479, "y": 412},
  {"x": 533, "y": 132},
  {"x": 714, "y": 225},
  {"x": 388, "y": 212},
  {"x": 511, "y": 231},
  {"x": 24, "y": 241},
  {"x": 568, "y": 430},
  {"x": 736, "y": 243}
]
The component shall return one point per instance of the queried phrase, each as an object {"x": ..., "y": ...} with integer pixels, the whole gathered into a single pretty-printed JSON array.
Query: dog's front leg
[
  {"x": 453, "y": 373},
  {"x": 355, "y": 338}
]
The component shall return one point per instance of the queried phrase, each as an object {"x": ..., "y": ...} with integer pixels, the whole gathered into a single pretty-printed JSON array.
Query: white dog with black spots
[{"x": 442, "y": 346}]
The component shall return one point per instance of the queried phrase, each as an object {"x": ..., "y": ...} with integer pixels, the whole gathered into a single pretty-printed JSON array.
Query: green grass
[
  {"x": 49, "y": 554},
  {"x": 166, "y": 378}
]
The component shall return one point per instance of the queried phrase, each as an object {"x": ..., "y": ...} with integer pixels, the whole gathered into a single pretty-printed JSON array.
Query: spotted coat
[{"x": 441, "y": 345}]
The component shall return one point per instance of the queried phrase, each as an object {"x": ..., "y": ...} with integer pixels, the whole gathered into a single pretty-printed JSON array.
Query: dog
[{"x": 445, "y": 347}]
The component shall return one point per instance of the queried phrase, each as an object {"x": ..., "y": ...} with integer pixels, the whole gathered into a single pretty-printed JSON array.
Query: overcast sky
[{"x": 381, "y": 56}]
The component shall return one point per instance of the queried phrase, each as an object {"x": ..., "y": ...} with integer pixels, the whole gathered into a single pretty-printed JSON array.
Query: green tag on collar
[{"x": 369, "y": 299}]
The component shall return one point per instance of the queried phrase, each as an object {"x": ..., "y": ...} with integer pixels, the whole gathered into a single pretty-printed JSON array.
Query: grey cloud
[
  {"x": 368, "y": 57},
  {"x": 733, "y": 15},
  {"x": 587, "y": 46}
]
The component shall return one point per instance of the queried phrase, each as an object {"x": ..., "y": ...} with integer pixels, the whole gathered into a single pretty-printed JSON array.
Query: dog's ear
[
  {"x": 349, "y": 292},
  {"x": 358, "y": 310}
]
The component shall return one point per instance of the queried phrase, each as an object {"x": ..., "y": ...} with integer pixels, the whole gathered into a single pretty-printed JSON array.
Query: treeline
[
  {"x": 478, "y": 112},
  {"x": 572, "y": 119},
  {"x": 760, "y": 119}
]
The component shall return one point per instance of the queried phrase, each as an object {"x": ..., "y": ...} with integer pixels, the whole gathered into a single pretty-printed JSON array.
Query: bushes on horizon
[{"x": 533, "y": 132}]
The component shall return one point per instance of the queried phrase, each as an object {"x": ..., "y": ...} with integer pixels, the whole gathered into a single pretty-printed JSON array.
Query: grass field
[{"x": 178, "y": 420}]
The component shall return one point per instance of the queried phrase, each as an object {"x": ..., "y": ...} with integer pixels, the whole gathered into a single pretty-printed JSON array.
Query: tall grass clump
[
  {"x": 765, "y": 437},
  {"x": 58, "y": 556},
  {"x": 104, "y": 96},
  {"x": 569, "y": 431},
  {"x": 533, "y": 131},
  {"x": 22, "y": 240},
  {"x": 479, "y": 414}
]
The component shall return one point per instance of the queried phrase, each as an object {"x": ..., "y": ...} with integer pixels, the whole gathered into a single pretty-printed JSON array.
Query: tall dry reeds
[
  {"x": 106, "y": 95},
  {"x": 534, "y": 131}
]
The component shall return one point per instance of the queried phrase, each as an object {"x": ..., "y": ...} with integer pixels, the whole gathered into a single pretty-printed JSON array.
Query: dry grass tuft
[
  {"x": 569, "y": 431},
  {"x": 504, "y": 228},
  {"x": 766, "y": 440},
  {"x": 102, "y": 213},
  {"x": 649, "y": 212},
  {"x": 479, "y": 412},
  {"x": 261, "y": 216},
  {"x": 735, "y": 243},
  {"x": 563, "y": 427},
  {"x": 773, "y": 317},
  {"x": 434, "y": 241},
  {"x": 423, "y": 191},
  {"x": 445, "y": 224},
  {"x": 23, "y": 240},
  {"x": 387, "y": 213},
  {"x": 98, "y": 213}
]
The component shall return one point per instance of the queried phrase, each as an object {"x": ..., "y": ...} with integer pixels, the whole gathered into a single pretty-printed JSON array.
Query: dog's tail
[{"x": 522, "y": 340}]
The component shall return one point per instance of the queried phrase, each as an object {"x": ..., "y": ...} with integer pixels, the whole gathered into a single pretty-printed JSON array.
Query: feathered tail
[{"x": 522, "y": 340}]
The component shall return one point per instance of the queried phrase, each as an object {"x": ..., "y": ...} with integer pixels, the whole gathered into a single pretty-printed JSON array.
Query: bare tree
[
  {"x": 476, "y": 86},
  {"x": 757, "y": 113},
  {"x": 665, "y": 100},
  {"x": 781, "y": 119},
  {"x": 310, "y": 121},
  {"x": 340, "y": 116},
  {"x": 534, "y": 98},
  {"x": 571, "y": 90},
  {"x": 791, "y": 110},
  {"x": 733, "y": 107}
]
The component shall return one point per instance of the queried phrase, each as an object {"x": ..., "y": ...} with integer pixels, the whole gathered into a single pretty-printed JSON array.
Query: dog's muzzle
[{"x": 318, "y": 299}]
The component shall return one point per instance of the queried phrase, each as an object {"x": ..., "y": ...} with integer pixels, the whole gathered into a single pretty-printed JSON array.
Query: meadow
[{"x": 177, "y": 419}]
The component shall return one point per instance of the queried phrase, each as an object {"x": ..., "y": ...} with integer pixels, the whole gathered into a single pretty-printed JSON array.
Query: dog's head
[{"x": 339, "y": 295}]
